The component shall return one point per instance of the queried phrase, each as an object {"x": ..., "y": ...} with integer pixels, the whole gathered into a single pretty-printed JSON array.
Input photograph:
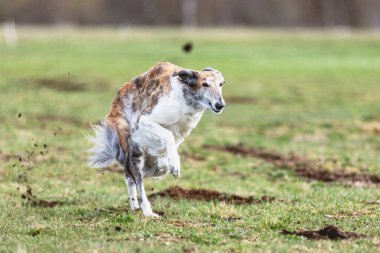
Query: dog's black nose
[{"x": 219, "y": 106}]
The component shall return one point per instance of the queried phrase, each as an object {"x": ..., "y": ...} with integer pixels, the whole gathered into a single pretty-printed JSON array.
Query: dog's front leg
[{"x": 160, "y": 143}]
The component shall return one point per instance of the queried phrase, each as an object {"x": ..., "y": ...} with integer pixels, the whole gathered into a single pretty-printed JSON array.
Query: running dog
[{"x": 149, "y": 118}]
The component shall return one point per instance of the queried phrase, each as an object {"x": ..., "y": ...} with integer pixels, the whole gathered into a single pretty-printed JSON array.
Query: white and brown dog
[{"x": 150, "y": 117}]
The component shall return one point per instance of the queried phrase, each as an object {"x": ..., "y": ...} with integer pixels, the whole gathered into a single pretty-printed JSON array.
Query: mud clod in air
[
  {"x": 33, "y": 201},
  {"x": 209, "y": 195},
  {"x": 328, "y": 232},
  {"x": 310, "y": 169},
  {"x": 187, "y": 47}
]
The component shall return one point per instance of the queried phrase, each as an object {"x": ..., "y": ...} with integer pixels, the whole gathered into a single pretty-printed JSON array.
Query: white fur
[
  {"x": 131, "y": 185},
  {"x": 106, "y": 144},
  {"x": 161, "y": 132}
]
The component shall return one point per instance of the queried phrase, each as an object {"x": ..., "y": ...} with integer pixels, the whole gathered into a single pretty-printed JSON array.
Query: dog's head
[{"x": 202, "y": 89}]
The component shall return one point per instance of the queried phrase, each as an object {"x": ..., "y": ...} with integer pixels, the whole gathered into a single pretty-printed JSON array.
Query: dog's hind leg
[
  {"x": 136, "y": 165},
  {"x": 144, "y": 202},
  {"x": 131, "y": 185}
]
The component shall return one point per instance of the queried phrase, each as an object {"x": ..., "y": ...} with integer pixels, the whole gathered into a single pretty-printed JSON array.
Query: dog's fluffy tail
[{"x": 106, "y": 149}]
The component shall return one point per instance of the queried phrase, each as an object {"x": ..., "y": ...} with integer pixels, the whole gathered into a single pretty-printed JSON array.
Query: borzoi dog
[{"x": 149, "y": 118}]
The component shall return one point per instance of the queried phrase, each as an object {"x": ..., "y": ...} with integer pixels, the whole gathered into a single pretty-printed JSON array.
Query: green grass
[{"x": 315, "y": 94}]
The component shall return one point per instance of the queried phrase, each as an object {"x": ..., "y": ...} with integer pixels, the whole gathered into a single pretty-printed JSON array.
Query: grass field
[{"x": 311, "y": 95}]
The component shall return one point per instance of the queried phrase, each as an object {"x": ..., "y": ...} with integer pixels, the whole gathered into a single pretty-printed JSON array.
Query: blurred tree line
[{"x": 309, "y": 13}]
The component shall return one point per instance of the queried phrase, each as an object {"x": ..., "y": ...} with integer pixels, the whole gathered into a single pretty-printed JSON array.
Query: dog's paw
[
  {"x": 152, "y": 215},
  {"x": 175, "y": 172},
  {"x": 134, "y": 204},
  {"x": 175, "y": 166},
  {"x": 134, "y": 208}
]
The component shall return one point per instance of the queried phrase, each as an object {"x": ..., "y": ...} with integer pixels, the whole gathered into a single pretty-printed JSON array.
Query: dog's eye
[{"x": 205, "y": 84}]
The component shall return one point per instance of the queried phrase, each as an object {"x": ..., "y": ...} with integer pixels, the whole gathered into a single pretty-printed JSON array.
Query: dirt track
[{"x": 302, "y": 167}]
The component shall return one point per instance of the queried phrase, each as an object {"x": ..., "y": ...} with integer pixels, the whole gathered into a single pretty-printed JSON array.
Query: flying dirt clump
[
  {"x": 187, "y": 47},
  {"x": 328, "y": 232},
  {"x": 210, "y": 195}
]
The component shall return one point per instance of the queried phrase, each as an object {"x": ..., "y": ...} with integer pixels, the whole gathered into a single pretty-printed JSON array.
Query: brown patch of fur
[
  {"x": 154, "y": 84},
  {"x": 202, "y": 76},
  {"x": 115, "y": 117}
]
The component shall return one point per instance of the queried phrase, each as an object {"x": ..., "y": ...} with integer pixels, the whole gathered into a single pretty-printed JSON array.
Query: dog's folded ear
[
  {"x": 209, "y": 69},
  {"x": 187, "y": 76}
]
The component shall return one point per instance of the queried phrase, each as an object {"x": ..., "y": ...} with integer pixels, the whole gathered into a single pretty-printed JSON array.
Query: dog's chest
[
  {"x": 182, "y": 127},
  {"x": 174, "y": 114}
]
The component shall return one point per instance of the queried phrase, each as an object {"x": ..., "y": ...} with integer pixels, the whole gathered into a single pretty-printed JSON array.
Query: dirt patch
[
  {"x": 371, "y": 127},
  {"x": 113, "y": 210},
  {"x": 69, "y": 84},
  {"x": 240, "y": 100},
  {"x": 119, "y": 229},
  {"x": 220, "y": 171},
  {"x": 165, "y": 238},
  {"x": 34, "y": 201},
  {"x": 37, "y": 231},
  {"x": 193, "y": 156},
  {"x": 176, "y": 192},
  {"x": 188, "y": 224},
  {"x": 8, "y": 157},
  {"x": 372, "y": 202},
  {"x": 328, "y": 232},
  {"x": 303, "y": 167}
]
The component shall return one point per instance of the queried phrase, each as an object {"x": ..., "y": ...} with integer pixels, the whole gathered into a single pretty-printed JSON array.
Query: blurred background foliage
[{"x": 272, "y": 13}]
